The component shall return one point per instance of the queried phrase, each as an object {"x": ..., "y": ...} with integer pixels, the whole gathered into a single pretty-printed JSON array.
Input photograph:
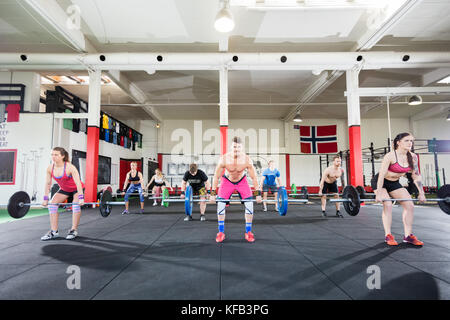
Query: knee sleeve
[
  {"x": 221, "y": 208},
  {"x": 52, "y": 208},
  {"x": 248, "y": 207},
  {"x": 76, "y": 208}
]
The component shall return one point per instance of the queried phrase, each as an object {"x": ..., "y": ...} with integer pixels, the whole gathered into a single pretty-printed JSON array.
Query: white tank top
[{"x": 158, "y": 180}]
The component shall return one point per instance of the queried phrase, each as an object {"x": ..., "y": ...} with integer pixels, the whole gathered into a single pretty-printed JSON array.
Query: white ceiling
[{"x": 187, "y": 26}]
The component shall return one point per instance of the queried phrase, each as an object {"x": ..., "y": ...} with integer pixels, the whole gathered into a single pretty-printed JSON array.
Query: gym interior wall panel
[
  {"x": 437, "y": 128},
  {"x": 31, "y": 136},
  {"x": 305, "y": 170},
  {"x": 32, "y": 82},
  {"x": 377, "y": 131},
  {"x": 203, "y": 136}
]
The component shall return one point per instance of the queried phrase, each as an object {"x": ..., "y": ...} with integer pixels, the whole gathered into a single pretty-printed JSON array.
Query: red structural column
[
  {"x": 160, "y": 160},
  {"x": 223, "y": 139},
  {"x": 356, "y": 164},
  {"x": 288, "y": 171},
  {"x": 92, "y": 164}
]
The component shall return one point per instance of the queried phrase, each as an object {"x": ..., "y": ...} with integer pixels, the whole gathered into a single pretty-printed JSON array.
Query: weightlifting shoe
[
  {"x": 390, "y": 240},
  {"x": 220, "y": 237},
  {"x": 202, "y": 217},
  {"x": 412, "y": 239},
  {"x": 249, "y": 236},
  {"x": 188, "y": 218},
  {"x": 50, "y": 235}
]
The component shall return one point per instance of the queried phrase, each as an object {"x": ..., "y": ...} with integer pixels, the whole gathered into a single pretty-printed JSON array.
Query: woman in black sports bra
[{"x": 136, "y": 182}]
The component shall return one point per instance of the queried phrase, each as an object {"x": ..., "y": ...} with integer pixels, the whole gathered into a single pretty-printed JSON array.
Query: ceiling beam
[
  {"x": 134, "y": 92},
  {"x": 371, "y": 38},
  {"x": 325, "y": 79},
  {"x": 401, "y": 91},
  {"x": 214, "y": 61},
  {"x": 53, "y": 14}
]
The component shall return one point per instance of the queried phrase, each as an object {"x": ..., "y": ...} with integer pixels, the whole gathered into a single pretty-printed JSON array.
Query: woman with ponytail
[
  {"x": 68, "y": 179},
  {"x": 386, "y": 185}
]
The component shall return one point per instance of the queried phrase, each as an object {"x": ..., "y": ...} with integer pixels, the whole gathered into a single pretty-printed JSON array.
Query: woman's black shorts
[{"x": 387, "y": 184}]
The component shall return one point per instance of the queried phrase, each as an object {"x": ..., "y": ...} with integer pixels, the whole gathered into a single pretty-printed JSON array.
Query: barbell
[
  {"x": 282, "y": 201},
  {"x": 352, "y": 201},
  {"x": 305, "y": 195}
]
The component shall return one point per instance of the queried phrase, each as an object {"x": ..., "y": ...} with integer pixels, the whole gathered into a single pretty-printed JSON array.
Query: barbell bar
[
  {"x": 282, "y": 201},
  {"x": 352, "y": 201}
]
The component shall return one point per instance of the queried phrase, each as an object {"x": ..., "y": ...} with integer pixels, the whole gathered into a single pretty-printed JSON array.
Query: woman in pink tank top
[
  {"x": 386, "y": 185},
  {"x": 67, "y": 177}
]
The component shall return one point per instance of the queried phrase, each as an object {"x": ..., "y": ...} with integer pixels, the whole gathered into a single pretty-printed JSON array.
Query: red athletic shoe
[
  {"x": 220, "y": 237},
  {"x": 390, "y": 240},
  {"x": 249, "y": 236},
  {"x": 412, "y": 239}
]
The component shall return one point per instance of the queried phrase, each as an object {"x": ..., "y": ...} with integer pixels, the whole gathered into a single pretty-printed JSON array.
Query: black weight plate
[
  {"x": 444, "y": 192},
  {"x": 105, "y": 209},
  {"x": 351, "y": 207},
  {"x": 15, "y": 209}
]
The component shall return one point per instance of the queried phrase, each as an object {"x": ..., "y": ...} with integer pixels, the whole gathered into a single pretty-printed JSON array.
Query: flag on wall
[{"x": 318, "y": 139}]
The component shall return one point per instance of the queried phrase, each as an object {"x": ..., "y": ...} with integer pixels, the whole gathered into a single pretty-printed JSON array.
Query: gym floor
[{"x": 157, "y": 255}]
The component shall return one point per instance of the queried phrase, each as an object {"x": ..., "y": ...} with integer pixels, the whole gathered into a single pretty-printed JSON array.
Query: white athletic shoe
[
  {"x": 72, "y": 234},
  {"x": 50, "y": 235},
  {"x": 202, "y": 217},
  {"x": 264, "y": 209},
  {"x": 155, "y": 203}
]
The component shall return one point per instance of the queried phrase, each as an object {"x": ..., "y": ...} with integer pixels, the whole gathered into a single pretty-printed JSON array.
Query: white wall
[
  {"x": 32, "y": 133},
  {"x": 32, "y": 82}
]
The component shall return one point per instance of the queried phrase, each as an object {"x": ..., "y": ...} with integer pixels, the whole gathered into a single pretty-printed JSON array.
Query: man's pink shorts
[{"x": 227, "y": 188}]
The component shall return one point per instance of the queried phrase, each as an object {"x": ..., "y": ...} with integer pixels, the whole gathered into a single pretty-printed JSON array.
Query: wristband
[
  {"x": 46, "y": 198},
  {"x": 80, "y": 196},
  {"x": 257, "y": 193}
]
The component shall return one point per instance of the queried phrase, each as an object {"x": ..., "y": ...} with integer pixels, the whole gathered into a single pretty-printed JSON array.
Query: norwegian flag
[{"x": 318, "y": 139}]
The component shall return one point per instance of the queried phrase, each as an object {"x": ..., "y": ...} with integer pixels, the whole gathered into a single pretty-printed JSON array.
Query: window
[{"x": 8, "y": 159}]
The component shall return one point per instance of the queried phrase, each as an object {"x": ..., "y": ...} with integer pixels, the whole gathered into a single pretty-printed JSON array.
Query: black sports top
[{"x": 135, "y": 178}]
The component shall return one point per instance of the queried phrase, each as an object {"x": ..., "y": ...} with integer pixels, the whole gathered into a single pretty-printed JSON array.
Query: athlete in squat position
[
  {"x": 134, "y": 177},
  {"x": 235, "y": 162},
  {"x": 328, "y": 184},
  {"x": 68, "y": 179},
  {"x": 386, "y": 184},
  {"x": 271, "y": 181},
  {"x": 198, "y": 180}
]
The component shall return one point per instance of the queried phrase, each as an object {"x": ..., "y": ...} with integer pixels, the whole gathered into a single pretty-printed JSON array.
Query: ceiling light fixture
[
  {"x": 415, "y": 100},
  {"x": 298, "y": 118},
  {"x": 224, "y": 20}
]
